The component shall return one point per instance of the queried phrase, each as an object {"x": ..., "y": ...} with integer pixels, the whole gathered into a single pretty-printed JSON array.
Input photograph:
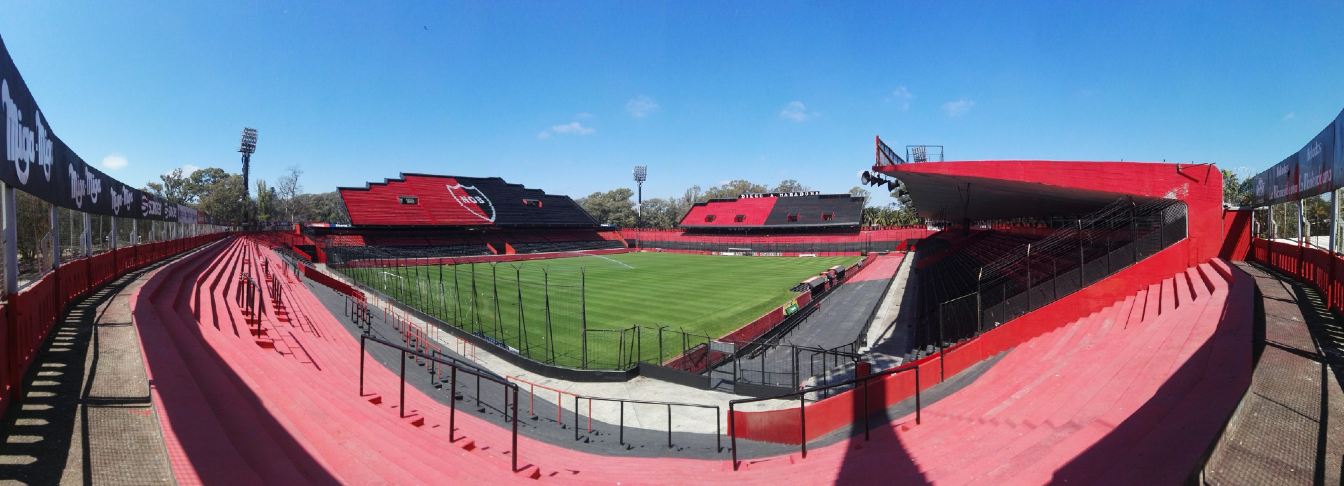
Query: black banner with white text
[{"x": 34, "y": 160}]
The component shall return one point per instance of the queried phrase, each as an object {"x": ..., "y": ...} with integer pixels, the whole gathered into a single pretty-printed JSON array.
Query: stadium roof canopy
[{"x": 996, "y": 190}]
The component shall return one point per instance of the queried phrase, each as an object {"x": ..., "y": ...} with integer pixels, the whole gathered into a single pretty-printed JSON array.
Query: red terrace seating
[
  {"x": 236, "y": 412},
  {"x": 724, "y": 212},
  {"x": 776, "y": 211},
  {"x": 1132, "y": 394},
  {"x": 865, "y": 235},
  {"x": 427, "y": 200},
  {"x": 1128, "y": 394}
]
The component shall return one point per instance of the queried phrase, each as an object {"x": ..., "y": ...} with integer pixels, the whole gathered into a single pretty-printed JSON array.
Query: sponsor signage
[
  {"x": 792, "y": 308},
  {"x": 1316, "y": 168},
  {"x": 1316, "y": 164},
  {"x": 34, "y": 160}
]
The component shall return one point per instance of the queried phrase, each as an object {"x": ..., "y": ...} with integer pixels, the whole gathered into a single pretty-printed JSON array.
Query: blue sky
[{"x": 568, "y": 96}]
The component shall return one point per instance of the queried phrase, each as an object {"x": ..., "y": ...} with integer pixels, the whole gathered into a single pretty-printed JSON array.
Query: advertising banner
[
  {"x": 34, "y": 160},
  {"x": 1316, "y": 164},
  {"x": 1283, "y": 180}
]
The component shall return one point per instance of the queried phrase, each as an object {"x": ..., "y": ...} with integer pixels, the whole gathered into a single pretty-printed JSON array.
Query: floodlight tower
[
  {"x": 247, "y": 147},
  {"x": 641, "y": 175}
]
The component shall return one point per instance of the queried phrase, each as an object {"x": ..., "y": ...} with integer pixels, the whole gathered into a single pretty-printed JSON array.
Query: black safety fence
[
  {"x": 1033, "y": 275},
  {"x": 650, "y": 407}
]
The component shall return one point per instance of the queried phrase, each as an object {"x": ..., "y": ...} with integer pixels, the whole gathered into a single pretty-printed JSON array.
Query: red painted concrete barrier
[{"x": 30, "y": 314}]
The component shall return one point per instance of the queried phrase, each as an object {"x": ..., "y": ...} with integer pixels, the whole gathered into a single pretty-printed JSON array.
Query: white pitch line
[{"x": 618, "y": 262}]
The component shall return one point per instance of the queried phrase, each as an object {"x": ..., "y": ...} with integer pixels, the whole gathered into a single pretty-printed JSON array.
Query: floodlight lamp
[
  {"x": 248, "y": 145},
  {"x": 641, "y": 173}
]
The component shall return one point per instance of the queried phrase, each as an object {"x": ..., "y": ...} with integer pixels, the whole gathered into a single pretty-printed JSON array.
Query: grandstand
[
  {"x": 422, "y": 215},
  {"x": 1070, "y": 322},
  {"x": 777, "y": 224},
  {"x": 773, "y": 211}
]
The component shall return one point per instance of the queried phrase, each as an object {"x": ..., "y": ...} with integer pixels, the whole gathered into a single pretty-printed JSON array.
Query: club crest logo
[{"x": 473, "y": 200}]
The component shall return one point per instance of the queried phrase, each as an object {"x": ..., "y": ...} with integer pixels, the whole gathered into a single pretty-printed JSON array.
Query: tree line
[
  {"x": 221, "y": 195},
  {"x": 617, "y": 206}
]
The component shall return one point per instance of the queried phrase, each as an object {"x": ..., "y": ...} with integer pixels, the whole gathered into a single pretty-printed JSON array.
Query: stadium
[{"x": 1090, "y": 322}]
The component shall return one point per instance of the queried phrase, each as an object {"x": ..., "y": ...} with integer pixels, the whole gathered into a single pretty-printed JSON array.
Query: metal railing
[
  {"x": 454, "y": 369},
  {"x": 860, "y": 384},
  {"x": 718, "y": 416}
]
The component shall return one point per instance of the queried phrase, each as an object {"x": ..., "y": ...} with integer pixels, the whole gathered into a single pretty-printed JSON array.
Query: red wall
[
  {"x": 1236, "y": 235},
  {"x": 29, "y": 315}
]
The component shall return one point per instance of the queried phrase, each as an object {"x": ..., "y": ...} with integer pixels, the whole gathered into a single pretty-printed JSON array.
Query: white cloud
[
  {"x": 641, "y": 106},
  {"x": 115, "y": 162},
  {"x": 959, "y": 107},
  {"x": 1289, "y": 116},
  {"x": 901, "y": 96},
  {"x": 571, "y": 128},
  {"x": 797, "y": 112},
  {"x": 585, "y": 116}
]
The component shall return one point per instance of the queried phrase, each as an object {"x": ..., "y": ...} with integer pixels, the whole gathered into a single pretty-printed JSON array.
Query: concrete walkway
[
  {"x": 86, "y": 416},
  {"x": 1289, "y": 428}
]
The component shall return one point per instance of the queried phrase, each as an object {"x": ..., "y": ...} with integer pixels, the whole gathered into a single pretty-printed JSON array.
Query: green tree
[
  {"x": 613, "y": 207},
  {"x": 203, "y": 181},
  {"x": 1236, "y": 192},
  {"x": 288, "y": 189},
  {"x": 326, "y": 207},
  {"x": 732, "y": 189},
  {"x": 225, "y": 202},
  {"x": 173, "y": 187},
  {"x": 662, "y": 213},
  {"x": 790, "y": 185}
]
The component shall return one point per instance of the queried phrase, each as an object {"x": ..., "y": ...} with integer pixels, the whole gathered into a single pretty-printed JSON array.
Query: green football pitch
[{"x": 539, "y": 307}]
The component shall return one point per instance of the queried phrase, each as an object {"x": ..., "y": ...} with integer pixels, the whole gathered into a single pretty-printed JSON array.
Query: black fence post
[
  {"x": 515, "y": 428},
  {"x": 576, "y": 417},
  {"x": 621, "y": 424},
  {"x": 917, "y": 405},
  {"x": 452, "y": 407},
  {"x": 402, "y": 400},
  {"x": 732, "y": 434},
  {"x": 361, "y": 365},
  {"x": 802, "y": 423}
]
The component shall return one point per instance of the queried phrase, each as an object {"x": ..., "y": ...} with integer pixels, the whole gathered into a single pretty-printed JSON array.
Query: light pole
[
  {"x": 641, "y": 175},
  {"x": 247, "y": 147}
]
